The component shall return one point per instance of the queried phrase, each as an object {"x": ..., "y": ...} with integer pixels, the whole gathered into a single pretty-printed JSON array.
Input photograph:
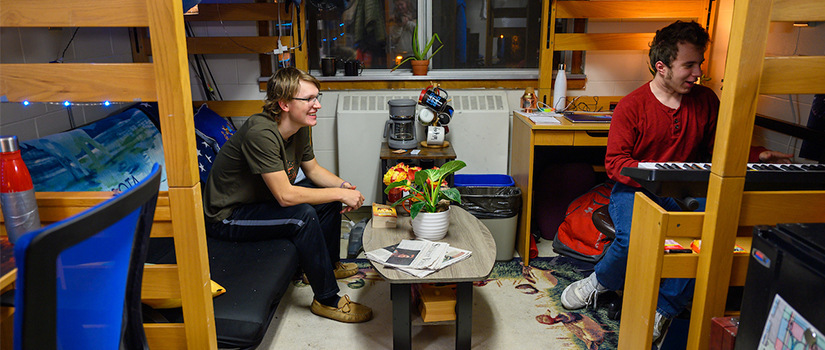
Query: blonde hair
[{"x": 282, "y": 87}]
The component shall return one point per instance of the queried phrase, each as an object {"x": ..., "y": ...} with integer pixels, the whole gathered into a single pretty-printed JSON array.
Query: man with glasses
[{"x": 252, "y": 194}]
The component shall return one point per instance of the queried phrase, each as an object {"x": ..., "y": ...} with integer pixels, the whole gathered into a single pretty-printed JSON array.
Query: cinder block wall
[{"x": 612, "y": 73}]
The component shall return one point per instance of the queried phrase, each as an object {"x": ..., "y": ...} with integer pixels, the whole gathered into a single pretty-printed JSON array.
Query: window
[{"x": 476, "y": 33}]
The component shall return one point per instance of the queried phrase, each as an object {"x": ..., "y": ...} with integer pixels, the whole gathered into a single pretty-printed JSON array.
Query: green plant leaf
[
  {"x": 451, "y": 167},
  {"x": 429, "y": 45},
  {"x": 419, "y": 54},
  {"x": 452, "y": 194},
  {"x": 416, "y": 208},
  {"x": 394, "y": 185}
]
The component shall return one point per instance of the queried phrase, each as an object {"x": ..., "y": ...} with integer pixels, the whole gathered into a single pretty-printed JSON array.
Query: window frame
[{"x": 468, "y": 77}]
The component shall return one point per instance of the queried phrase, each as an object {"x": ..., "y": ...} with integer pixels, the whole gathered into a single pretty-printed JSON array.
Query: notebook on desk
[{"x": 588, "y": 117}]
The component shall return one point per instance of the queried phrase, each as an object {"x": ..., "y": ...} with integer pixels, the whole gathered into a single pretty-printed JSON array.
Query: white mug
[{"x": 435, "y": 135}]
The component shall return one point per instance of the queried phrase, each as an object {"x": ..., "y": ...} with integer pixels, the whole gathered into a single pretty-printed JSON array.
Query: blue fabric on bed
[
  {"x": 113, "y": 153},
  {"x": 212, "y": 125},
  {"x": 211, "y": 131}
]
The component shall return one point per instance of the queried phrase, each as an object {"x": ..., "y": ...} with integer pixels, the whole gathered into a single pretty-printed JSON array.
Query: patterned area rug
[
  {"x": 545, "y": 279},
  {"x": 517, "y": 307}
]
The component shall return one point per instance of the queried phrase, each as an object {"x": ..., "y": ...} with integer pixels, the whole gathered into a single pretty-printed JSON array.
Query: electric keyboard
[{"x": 681, "y": 180}]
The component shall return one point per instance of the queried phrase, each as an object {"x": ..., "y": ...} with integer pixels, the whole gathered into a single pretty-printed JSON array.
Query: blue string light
[{"x": 69, "y": 103}]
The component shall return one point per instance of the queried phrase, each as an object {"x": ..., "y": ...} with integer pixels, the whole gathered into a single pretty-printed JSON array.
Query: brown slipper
[
  {"x": 344, "y": 270},
  {"x": 348, "y": 311}
]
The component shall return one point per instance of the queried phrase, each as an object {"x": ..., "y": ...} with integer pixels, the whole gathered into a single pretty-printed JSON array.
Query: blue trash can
[{"x": 495, "y": 201}]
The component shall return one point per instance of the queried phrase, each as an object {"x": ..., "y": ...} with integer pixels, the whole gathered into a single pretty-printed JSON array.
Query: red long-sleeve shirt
[{"x": 645, "y": 130}]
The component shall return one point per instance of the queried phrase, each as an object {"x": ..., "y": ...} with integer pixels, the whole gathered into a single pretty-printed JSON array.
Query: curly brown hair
[
  {"x": 282, "y": 87},
  {"x": 664, "y": 46}
]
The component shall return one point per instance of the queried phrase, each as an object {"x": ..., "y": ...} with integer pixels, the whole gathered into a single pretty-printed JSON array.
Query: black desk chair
[
  {"x": 79, "y": 279},
  {"x": 603, "y": 223}
]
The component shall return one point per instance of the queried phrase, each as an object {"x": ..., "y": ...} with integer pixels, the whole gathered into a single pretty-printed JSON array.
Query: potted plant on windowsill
[
  {"x": 420, "y": 59},
  {"x": 430, "y": 209}
]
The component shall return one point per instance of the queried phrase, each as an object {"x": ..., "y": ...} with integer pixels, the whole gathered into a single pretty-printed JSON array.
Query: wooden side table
[{"x": 426, "y": 158}]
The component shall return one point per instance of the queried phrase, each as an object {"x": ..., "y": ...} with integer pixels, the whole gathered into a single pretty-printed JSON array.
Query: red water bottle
[{"x": 16, "y": 191}]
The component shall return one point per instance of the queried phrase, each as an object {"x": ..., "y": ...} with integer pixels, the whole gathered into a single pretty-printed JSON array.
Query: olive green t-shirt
[{"x": 256, "y": 148}]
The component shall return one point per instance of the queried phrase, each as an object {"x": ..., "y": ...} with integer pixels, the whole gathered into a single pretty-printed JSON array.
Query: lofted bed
[
  {"x": 179, "y": 211},
  {"x": 731, "y": 212}
]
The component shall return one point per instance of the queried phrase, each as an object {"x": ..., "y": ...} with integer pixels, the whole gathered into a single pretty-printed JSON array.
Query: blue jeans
[
  {"x": 674, "y": 293},
  {"x": 314, "y": 229}
]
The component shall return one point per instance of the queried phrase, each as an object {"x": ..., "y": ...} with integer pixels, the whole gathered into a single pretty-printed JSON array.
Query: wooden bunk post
[
  {"x": 178, "y": 132},
  {"x": 649, "y": 227},
  {"x": 743, "y": 71},
  {"x": 166, "y": 80},
  {"x": 548, "y": 32}
]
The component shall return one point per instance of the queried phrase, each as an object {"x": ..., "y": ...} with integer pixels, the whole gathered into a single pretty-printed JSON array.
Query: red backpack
[{"x": 577, "y": 237}]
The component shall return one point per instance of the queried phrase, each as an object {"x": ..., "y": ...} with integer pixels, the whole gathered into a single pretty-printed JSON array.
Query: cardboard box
[
  {"x": 723, "y": 333},
  {"x": 437, "y": 303},
  {"x": 383, "y": 216}
]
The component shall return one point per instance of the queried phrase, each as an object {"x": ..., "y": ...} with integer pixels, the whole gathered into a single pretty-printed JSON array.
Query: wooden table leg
[
  {"x": 401, "y": 296},
  {"x": 464, "y": 315}
]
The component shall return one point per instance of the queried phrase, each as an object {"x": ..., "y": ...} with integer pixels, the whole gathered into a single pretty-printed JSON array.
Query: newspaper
[{"x": 418, "y": 257}]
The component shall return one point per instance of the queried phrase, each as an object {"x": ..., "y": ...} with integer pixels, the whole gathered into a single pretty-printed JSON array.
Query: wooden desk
[
  {"x": 465, "y": 232},
  {"x": 526, "y": 137}
]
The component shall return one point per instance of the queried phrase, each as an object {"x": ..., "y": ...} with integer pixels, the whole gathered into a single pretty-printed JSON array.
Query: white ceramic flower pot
[{"x": 431, "y": 226}]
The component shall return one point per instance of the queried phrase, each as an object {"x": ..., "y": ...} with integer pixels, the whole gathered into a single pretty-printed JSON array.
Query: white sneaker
[
  {"x": 584, "y": 292},
  {"x": 660, "y": 324}
]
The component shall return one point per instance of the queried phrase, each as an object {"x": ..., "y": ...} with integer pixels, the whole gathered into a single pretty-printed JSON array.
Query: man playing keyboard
[{"x": 669, "y": 119}]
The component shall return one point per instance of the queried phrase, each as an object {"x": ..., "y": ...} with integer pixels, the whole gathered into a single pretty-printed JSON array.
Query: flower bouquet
[
  {"x": 399, "y": 172},
  {"x": 427, "y": 189}
]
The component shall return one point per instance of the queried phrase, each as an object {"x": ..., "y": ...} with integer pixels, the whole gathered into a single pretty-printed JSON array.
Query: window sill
[{"x": 378, "y": 79}]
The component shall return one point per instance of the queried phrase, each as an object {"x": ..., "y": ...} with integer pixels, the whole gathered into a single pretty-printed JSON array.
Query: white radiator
[{"x": 479, "y": 133}]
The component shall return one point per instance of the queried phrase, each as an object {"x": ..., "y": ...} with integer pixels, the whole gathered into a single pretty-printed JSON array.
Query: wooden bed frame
[
  {"x": 179, "y": 211},
  {"x": 731, "y": 213}
]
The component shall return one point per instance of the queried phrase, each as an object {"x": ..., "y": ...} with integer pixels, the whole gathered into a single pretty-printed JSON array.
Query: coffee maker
[{"x": 400, "y": 129}]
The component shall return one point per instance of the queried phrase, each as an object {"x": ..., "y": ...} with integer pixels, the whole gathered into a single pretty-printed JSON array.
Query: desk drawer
[
  {"x": 590, "y": 138},
  {"x": 554, "y": 138}
]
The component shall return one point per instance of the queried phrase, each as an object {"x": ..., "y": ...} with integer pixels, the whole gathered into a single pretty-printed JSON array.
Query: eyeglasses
[{"x": 310, "y": 100}]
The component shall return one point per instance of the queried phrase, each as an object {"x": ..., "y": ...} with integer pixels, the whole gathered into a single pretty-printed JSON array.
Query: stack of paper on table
[
  {"x": 418, "y": 257},
  {"x": 543, "y": 118}
]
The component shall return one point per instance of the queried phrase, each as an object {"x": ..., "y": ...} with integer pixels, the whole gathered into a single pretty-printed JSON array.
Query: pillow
[
  {"x": 207, "y": 150},
  {"x": 113, "y": 153},
  {"x": 212, "y": 125},
  {"x": 217, "y": 289}
]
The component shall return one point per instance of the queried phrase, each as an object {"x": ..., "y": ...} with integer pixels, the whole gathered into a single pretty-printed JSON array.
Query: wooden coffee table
[{"x": 465, "y": 232}]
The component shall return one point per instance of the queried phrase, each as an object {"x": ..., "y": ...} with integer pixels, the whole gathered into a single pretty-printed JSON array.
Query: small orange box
[
  {"x": 383, "y": 216},
  {"x": 437, "y": 303}
]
